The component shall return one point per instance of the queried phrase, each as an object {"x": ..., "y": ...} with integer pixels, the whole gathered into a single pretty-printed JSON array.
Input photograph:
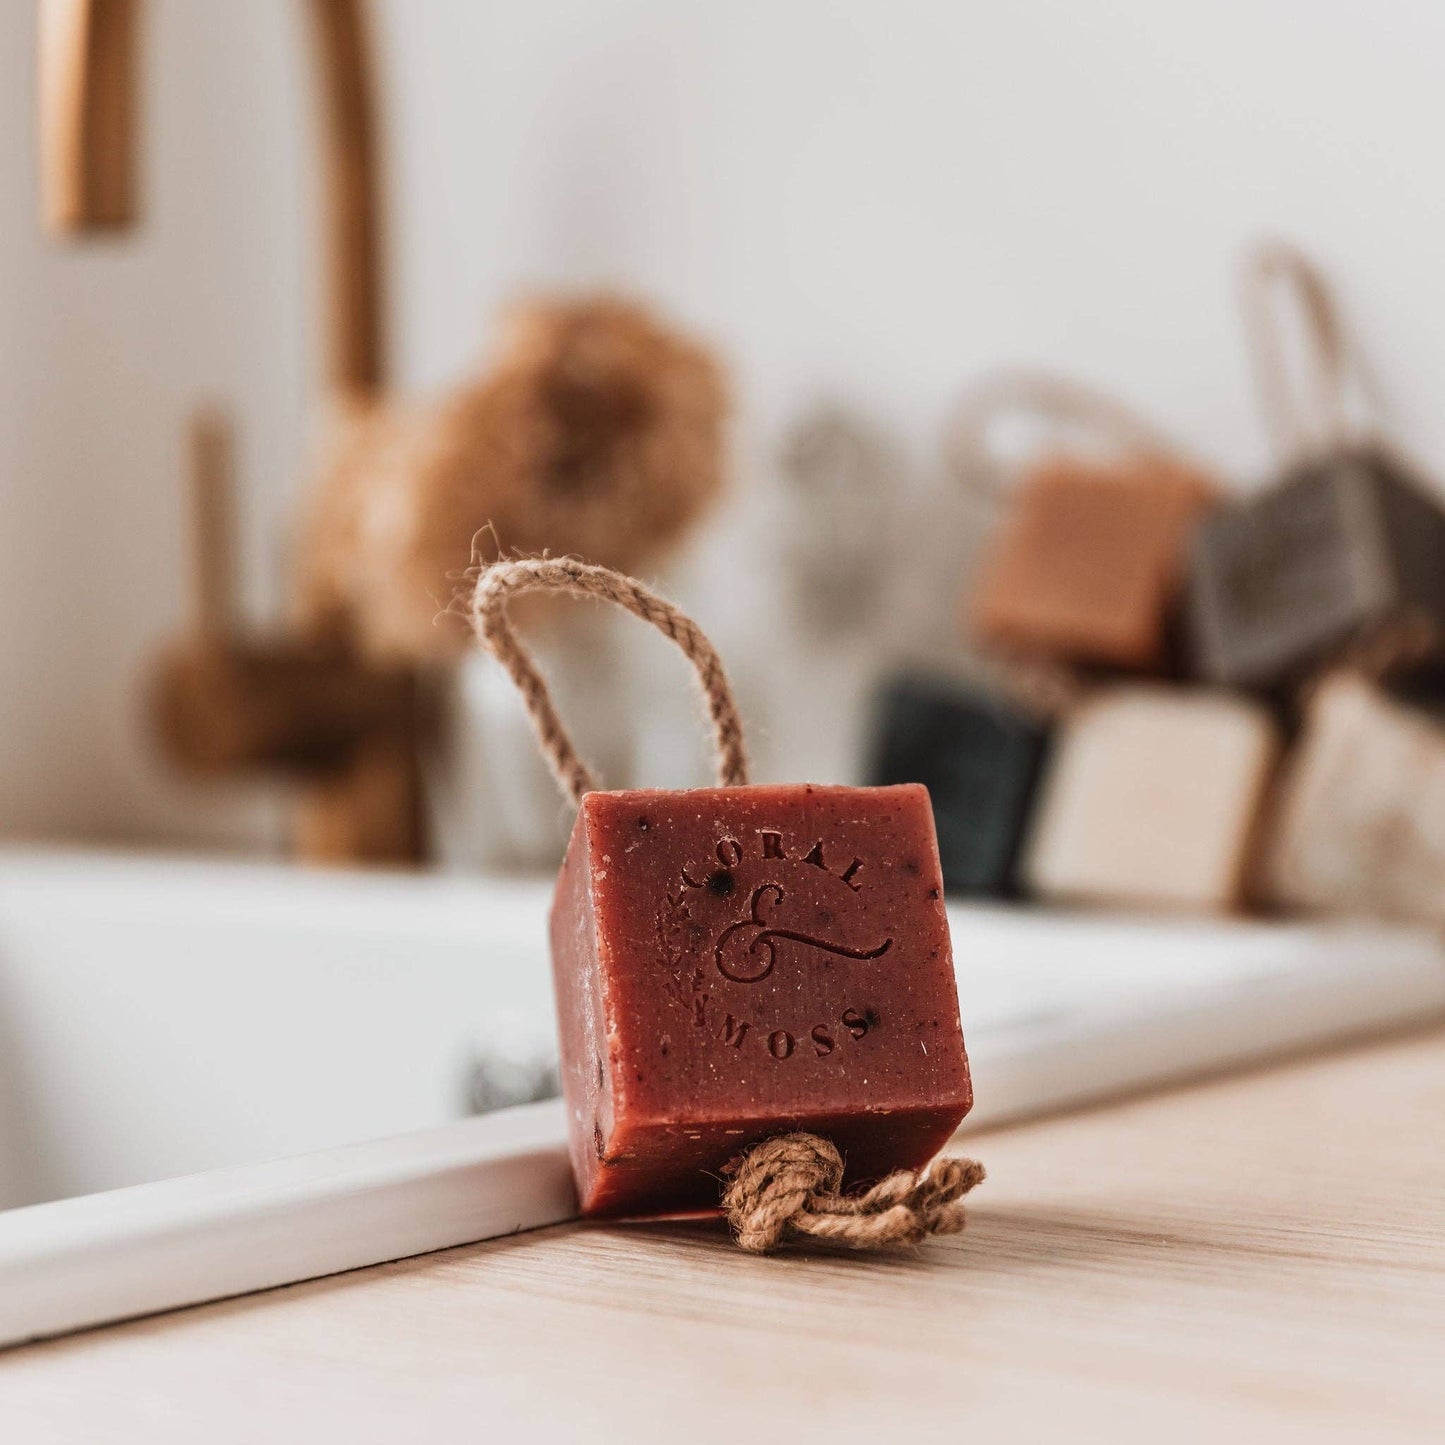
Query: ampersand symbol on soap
[{"x": 747, "y": 951}]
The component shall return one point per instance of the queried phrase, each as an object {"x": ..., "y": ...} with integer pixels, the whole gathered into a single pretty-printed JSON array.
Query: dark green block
[
  {"x": 979, "y": 758},
  {"x": 1342, "y": 546}
]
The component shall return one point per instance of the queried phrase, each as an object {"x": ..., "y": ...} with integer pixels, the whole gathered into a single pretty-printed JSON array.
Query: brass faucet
[{"x": 308, "y": 707}]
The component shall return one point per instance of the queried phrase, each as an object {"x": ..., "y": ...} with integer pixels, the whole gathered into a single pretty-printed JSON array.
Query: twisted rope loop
[
  {"x": 1065, "y": 406},
  {"x": 791, "y": 1185},
  {"x": 1318, "y": 420},
  {"x": 502, "y": 581}
]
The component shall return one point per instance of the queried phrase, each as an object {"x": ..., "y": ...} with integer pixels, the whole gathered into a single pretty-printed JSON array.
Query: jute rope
[
  {"x": 1044, "y": 687},
  {"x": 1303, "y": 420},
  {"x": 502, "y": 581},
  {"x": 1057, "y": 400},
  {"x": 791, "y": 1186},
  {"x": 782, "y": 1186}
]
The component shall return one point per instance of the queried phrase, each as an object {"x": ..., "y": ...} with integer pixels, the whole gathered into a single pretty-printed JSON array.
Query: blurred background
[
  {"x": 1037, "y": 401},
  {"x": 849, "y": 206}
]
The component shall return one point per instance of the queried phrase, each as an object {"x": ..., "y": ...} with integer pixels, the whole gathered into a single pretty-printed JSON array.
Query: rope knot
[{"x": 792, "y": 1185}]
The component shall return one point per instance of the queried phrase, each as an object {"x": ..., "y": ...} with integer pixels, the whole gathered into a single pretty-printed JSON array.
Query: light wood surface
[{"x": 1257, "y": 1258}]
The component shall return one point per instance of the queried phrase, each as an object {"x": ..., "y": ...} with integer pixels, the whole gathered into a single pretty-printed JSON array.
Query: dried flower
[{"x": 597, "y": 433}]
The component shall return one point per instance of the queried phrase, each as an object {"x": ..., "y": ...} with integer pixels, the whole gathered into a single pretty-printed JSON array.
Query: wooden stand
[{"x": 348, "y": 730}]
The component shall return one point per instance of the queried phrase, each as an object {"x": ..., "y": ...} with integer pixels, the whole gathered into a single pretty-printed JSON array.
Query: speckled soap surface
[{"x": 732, "y": 963}]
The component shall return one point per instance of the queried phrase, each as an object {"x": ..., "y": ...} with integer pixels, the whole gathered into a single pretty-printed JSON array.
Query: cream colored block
[
  {"x": 1361, "y": 823},
  {"x": 1151, "y": 798}
]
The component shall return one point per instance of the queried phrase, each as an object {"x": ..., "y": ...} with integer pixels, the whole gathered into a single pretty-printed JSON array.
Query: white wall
[{"x": 872, "y": 199}]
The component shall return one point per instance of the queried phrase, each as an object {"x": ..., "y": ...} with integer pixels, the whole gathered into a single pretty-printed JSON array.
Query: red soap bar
[{"x": 734, "y": 963}]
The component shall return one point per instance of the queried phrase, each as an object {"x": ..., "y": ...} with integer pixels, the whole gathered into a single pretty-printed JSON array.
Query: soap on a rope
[
  {"x": 1151, "y": 797},
  {"x": 754, "y": 984},
  {"x": 1346, "y": 544},
  {"x": 1088, "y": 566},
  {"x": 733, "y": 963},
  {"x": 1341, "y": 563},
  {"x": 978, "y": 753}
]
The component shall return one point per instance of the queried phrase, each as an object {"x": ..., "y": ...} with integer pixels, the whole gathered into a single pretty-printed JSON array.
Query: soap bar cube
[
  {"x": 978, "y": 755},
  {"x": 1342, "y": 546},
  {"x": 1150, "y": 798},
  {"x": 734, "y": 963},
  {"x": 1089, "y": 565},
  {"x": 1360, "y": 826}
]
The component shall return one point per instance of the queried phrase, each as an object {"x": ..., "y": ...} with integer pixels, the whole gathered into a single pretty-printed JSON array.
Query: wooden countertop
[{"x": 1257, "y": 1258}]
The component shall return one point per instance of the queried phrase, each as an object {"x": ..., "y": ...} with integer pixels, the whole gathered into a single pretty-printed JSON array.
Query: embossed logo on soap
[
  {"x": 747, "y": 951},
  {"x": 758, "y": 908}
]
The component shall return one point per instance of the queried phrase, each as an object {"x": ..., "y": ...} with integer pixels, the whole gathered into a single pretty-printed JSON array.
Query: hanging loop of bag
[
  {"x": 1306, "y": 415},
  {"x": 502, "y": 581},
  {"x": 1058, "y": 401}
]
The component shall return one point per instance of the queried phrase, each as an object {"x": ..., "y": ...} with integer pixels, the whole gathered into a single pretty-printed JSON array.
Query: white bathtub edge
[{"x": 130, "y": 1252}]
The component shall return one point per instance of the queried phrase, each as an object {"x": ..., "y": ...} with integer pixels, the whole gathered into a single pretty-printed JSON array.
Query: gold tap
[{"x": 308, "y": 707}]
